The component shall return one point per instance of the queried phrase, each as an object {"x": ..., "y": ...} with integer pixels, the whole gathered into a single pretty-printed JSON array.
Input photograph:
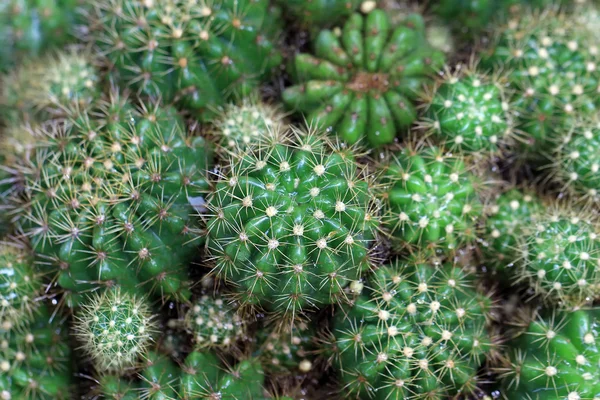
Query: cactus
[
  {"x": 510, "y": 217},
  {"x": 416, "y": 331},
  {"x": 431, "y": 199},
  {"x": 552, "y": 69},
  {"x": 199, "y": 53},
  {"x": 35, "y": 359},
  {"x": 316, "y": 13},
  {"x": 292, "y": 224},
  {"x": 110, "y": 198},
  {"x": 214, "y": 323},
  {"x": 554, "y": 357},
  {"x": 468, "y": 112},
  {"x": 19, "y": 284},
  {"x": 559, "y": 258},
  {"x": 363, "y": 84},
  {"x": 30, "y": 27},
  {"x": 248, "y": 125},
  {"x": 288, "y": 350},
  {"x": 115, "y": 329}
]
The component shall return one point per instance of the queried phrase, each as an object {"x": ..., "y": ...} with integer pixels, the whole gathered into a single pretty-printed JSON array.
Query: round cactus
[
  {"x": 214, "y": 323},
  {"x": 292, "y": 224},
  {"x": 249, "y": 125},
  {"x": 363, "y": 83},
  {"x": 510, "y": 217},
  {"x": 287, "y": 351},
  {"x": 200, "y": 53},
  {"x": 111, "y": 197},
  {"x": 417, "y": 331},
  {"x": 315, "y": 13},
  {"x": 431, "y": 200},
  {"x": 560, "y": 256},
  {"x": 19, "y": 285},
  {"x": 552, "y": 65},
  {"x": 468, "y": 112},
  {"x": 30, "y": 27},
  {"x": 115, "y": 329},
  {"x": 35, "y": 359},
  {"x": 555, "y": 357}
]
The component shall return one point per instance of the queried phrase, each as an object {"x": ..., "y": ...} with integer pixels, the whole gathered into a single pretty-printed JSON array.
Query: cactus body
[
  {"x": 363, "y": 84},
  {"x": 292, "y": 224},
  {"x": 417, "y": 331},
  {"x": 111, "y": 198},
  {"x": 200, "y": 53},
  {"x": 214, "y": 323},
  {"x": 431, "y": 199},
  {"x": 555, "y": 358},
  {"x": 315, "y": 13},
  {"x": 287, "y": 351}
]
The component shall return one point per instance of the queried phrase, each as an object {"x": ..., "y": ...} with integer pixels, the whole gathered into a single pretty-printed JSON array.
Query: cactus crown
[
  {"x": 292, "y": 223},
  {"x": 115, "y": 329}
]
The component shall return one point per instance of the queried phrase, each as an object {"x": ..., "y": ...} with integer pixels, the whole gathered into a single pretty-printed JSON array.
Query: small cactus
[
  {"x": 363, "y": 79},
  {"x": 292, "y": 224},
  {"x": 287, "y": 351},
  {"x": 316, "y": 13},
  {"x": 115, "y": 329},
  {"x": 431, "y": 199}
]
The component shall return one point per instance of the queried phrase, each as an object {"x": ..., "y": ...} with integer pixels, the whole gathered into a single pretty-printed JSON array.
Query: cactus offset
[
  {"x": 288, "y": 350},
  {"x": 316, "y": 13}
]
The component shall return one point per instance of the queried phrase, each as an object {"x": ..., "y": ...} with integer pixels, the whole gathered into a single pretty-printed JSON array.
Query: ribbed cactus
[
  {"x": 292, "y": 224},
  {"x": 362, "y": 81},
  {"x": 35, "y": 359},
  {"x": 417, "y": 331},
  {"x": 285, "y": 351},
  {"x": 214, "y": 323},
  {"x": 112, "y": 196},
  {"x": 115, "y": 329},
  {"x": 19, "y": 285},
  {"x": 199, "y": 53},
  {"x": 469, "y": 113},
  {"x": 431, "y": 199},
  {"x": 554, "y": 357},
  {"x": 315, "y": 13},
  {"x": 552, "y": 65}
]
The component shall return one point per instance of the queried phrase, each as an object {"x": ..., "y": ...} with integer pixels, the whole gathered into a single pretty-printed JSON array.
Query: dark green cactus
[
  {"x": 285, "y": 351},
  {"x": 363, "y": 83},
  {"x": 316, "y": 13},
  {"x": 199, "y": 53},
  {"x": 417, "y": 331},
  {"x": 292, "y": 224}
]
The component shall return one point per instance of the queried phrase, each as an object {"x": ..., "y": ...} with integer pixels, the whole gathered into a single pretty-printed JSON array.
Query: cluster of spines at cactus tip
[{"x": 292, "y": 223}]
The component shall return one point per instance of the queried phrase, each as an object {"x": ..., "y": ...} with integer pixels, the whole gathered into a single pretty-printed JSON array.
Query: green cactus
[
  {"x": 430, "y": 198},
  {"x": 555, "y": 357},
  {"x": 468, "y": 112},
  {"x": 417, "y": 331},
  {"x": 35, "y": 359},
  {"x": 287, "y": 351},
  {"x": 199, "y": 53},
  {"x": 363, "y": 82},
  {"x": 214, "y": 323},
  {"x": 110, "y": 197},
  {"x": 30, "y": 27},
  {"x": 552, "y": 67},
  {"x": 115, "y": 329},
  {"x": 248, "y": 125},
  {"x": 559, "y": 258},
  {"x": 510, "y": 216},
  {"x": 316, "y": 13},
  {"x": 20, "y": 285},
  {"x": 292, "y": 224}
]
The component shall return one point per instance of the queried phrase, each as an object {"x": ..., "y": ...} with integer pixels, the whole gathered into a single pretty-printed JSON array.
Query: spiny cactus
[
  {"x": 248, "y": 125},
  {"x": 417, "y": 330},
  {"x": 110, "y": 199},
  {"x": 287, "y": 351},
  {"x": 468, "y": 112},
  {"x": 362, "y": 80},
  {"x": 560, "y": 256},
  {"x": 552, "y": 65},
  {"x": 509, "y": 217},
  {"x": 19, "y": 284},
  {"x": 214, "y": 323},
  {"x": 199, "y": 53},
  {"x": 115, "y": 329},
  {"x": 35, "y": 359},
  {"x": 431, "y": 199},
  {"x": 292, "y": 223},
  {"x": 30, "y": 27},
  {"x": 554, "y": 357},
  {"x": 315, "y": 13}
]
